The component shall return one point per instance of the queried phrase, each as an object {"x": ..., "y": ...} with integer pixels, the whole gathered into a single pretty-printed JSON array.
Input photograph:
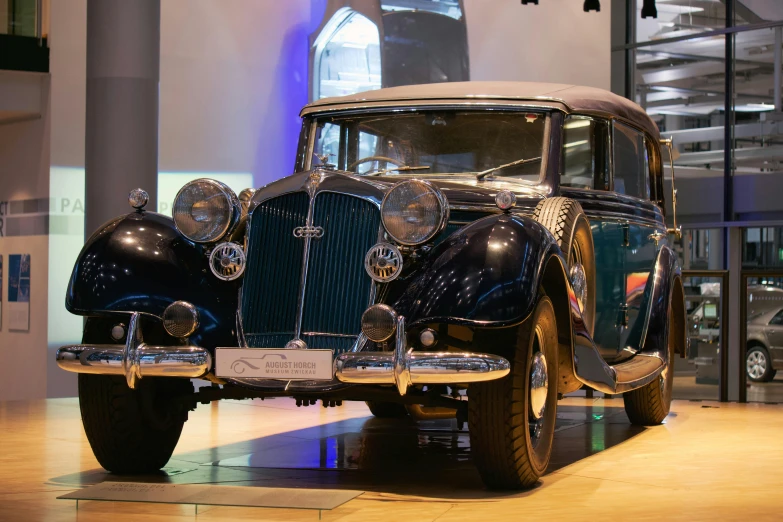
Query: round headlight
[
  {"x": 205, "y": 210},
  {"x": 414, "y": 211}
]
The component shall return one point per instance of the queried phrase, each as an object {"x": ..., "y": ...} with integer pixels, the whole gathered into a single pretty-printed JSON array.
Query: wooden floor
[{"x": 708, "y": 461}]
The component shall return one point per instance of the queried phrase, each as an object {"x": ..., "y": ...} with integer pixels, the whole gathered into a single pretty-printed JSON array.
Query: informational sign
[
  {"x": 19, "y": 292},
  {"x": 291, "y": 364}
]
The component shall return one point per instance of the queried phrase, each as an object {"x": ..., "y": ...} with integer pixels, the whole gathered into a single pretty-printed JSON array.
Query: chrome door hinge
[{"x": 622, "y": 316}]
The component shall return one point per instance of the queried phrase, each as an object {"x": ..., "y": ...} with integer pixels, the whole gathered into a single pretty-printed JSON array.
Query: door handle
[{"x": 657, "y": 236}]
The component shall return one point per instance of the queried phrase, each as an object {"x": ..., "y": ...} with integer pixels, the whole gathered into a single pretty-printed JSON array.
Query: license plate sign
[{"x": 272, "y": 363}]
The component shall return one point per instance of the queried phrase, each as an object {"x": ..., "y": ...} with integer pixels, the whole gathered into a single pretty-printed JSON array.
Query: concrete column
[{"x": 123, "y": 72}]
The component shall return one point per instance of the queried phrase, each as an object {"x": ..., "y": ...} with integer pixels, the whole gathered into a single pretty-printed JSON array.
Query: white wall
[
  {"x": 555, "y": 41},
  {"x": 24, "y": 175},
  {"x": 233, "y": 76}
]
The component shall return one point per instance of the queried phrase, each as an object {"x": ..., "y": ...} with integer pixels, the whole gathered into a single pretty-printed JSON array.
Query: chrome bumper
[
  {"x": 135, "y": 359},
  {"x": 404, "y": 367}
]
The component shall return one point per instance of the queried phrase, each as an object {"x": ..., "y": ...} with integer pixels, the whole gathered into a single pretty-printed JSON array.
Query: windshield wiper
[
  {"x": 401, "y": 168},
  {"x": 484, "y": 173}
]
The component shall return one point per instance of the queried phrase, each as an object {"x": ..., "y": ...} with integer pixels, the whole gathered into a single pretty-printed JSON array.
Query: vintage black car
[{"x": 468, "y": 250}]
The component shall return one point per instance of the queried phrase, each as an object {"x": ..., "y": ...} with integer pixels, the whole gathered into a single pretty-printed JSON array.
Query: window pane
[
  {"x": 350, "y": 60},
  {"x": 446, "y": 143},
  {"x": 578, "y": 158},
  {"x": 630, "y": 162}
]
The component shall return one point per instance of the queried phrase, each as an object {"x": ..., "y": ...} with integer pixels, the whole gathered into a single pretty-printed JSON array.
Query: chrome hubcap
[
  {"x": 539, "y": 385},
  {"x": 756, "y": 364},
  {"x": 579, "y": 284}
]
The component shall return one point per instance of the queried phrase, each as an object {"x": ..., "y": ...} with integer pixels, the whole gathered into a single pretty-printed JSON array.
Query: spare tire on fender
[{"x": 566, "y": 220}]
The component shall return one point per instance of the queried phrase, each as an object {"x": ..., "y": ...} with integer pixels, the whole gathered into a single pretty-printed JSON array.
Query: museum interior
[{"x": 198, "y": 196}]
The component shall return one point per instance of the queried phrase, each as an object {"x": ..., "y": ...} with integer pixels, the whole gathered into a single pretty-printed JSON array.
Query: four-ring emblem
[{"x": 315, "y": 232}]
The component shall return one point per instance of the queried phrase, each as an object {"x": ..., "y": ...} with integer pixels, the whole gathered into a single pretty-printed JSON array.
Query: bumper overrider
[
  {"x": 401, "y": 367},
  {"x": 135, "y": 359}
]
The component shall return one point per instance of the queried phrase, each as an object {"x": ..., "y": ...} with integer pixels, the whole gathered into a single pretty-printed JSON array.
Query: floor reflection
[
  {"x": 770, "y": 392},
  {"x": 426, "y": 458}
]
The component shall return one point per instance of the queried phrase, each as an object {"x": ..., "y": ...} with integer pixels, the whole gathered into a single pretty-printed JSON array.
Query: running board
[{"x": 648, "y": 339}]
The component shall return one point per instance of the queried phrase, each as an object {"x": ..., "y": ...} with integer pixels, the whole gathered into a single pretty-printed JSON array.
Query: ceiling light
[
  {"x": 648, "y": 9},
  {"x": 592, "y": 5}
]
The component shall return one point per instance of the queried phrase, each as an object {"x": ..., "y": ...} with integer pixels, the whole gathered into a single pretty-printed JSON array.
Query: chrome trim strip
[
  {"x": 310, "y": 147},
  {"x": 606, "y": 215},
  {"x": 324, "y": 334},
  {"x": 135, "y": 359},
  {"x": 414, "y": 104},
  {"x": 311, "y": 186},
  {"x": 491, "y": 209}
]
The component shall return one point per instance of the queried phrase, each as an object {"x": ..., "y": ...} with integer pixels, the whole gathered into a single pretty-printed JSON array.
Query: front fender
[
  {"x": 486, "y": 273},
  {"x": 141, "y": 263}
]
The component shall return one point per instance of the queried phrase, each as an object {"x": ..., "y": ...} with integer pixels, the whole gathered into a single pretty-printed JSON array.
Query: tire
[
  {"x": 650, "y": 404},
  {"x": 566, "y": 220},
  {"x": 387, "y": 410},
  {"x": 510, "y": 448},
  {"x": 758, "y": 364},
  {"x": 132, "y": 431}
]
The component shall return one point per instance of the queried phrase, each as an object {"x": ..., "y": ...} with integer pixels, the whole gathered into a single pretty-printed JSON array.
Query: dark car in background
[{"x": 465, "y": 250}]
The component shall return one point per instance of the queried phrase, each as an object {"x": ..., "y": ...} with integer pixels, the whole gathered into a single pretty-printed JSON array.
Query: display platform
[{"x": 209, "y": 495}]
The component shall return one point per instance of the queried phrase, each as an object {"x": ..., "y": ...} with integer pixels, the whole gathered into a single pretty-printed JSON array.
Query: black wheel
[
  {"x": 566, "y": 220},
  {"x": 132, "y": 431},
  {"x": 758, "y": 364},
  {"x": 512, "y": 420},
  {"x": 387, "y": 410},
  {"x": 650, "y": 404}
]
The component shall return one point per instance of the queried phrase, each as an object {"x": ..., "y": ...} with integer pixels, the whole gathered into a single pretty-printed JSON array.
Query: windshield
[{"x": 476, "y": 144}]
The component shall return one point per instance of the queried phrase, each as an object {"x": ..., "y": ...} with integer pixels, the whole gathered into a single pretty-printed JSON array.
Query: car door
[
  {"x": 608, "y": 167},
  {"x": 632, "y": 158},
  {"x": 585, "y": 177}
]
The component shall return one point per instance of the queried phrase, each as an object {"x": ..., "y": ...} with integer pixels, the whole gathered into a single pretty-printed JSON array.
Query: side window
[
  {"x": 585, "y": 160},
  {"x": 631, "y": 162},
  {"x": 778, "y": 319}
]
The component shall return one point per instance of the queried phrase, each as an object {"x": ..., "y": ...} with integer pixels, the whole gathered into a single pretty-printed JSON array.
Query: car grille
[{"x": 337, "y": 287}]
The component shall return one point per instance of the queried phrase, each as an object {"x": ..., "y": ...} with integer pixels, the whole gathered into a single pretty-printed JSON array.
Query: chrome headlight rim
[
  {"x": 234, "y": 205},
  {"x": 444, "y": 211}
]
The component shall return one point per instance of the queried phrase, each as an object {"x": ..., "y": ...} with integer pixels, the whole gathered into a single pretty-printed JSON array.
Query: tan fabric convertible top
[{"x": 576, "y": 98}]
